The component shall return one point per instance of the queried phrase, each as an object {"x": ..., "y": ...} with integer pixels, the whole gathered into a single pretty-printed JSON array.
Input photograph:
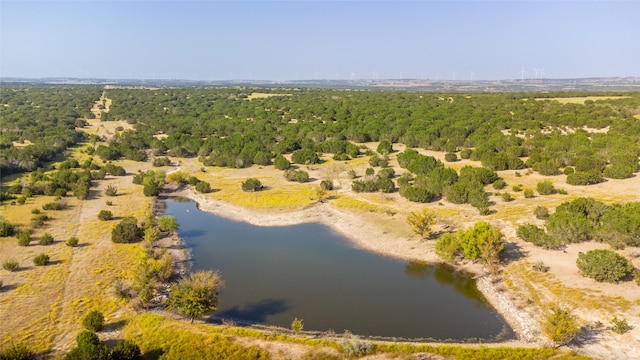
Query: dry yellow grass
[
  {"x": 257, "y": 95},
  {"x": 582, "y": 99}
]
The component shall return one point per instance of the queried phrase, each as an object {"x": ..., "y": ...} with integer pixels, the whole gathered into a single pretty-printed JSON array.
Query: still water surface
[{"x": 308, "y": 271}]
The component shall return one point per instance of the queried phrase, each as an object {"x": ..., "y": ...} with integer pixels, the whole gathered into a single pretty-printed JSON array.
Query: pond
[{"x": 309, "y": 272}]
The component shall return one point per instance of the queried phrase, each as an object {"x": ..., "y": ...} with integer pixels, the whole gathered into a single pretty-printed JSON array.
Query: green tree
[
  {"x": 125, "y": 350},
  {"x": 105, "y": 215},
  {"x": 281, "y": 163},
  {"x": 297, "y": 325},
  {"x": 195, "y": 295},
  {"x": 483, "y": 241},
  {"x": 126, "y": 231},
  {"x": 251, "y": 184},
  {"x": 447, "y": 246},
  {"x": 545, "y": 187},
  {"x": 421, "y": 222},
  {"x": 604, "y": 265},
  {"x": 384, "y": 147},
  {"x": 560, "y": 326},
  {"x": 168, "y": 223},
  {"x": 93, "y": 321}
]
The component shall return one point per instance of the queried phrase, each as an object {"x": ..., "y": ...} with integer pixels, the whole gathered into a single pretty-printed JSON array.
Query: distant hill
[{"x": 525, "y": 85}]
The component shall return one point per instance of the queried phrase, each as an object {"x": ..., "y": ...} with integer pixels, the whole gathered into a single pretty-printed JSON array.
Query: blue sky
[{"x": 295, "y": 40}]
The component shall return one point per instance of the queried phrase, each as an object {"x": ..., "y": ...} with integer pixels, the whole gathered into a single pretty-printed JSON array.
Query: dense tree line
[{"x": 226, "y": 127}]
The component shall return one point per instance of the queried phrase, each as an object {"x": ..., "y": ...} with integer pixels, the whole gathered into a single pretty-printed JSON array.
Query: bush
[
  {"x": 305, "y": 156},
  {"x": 6, "y": 229},
  {"x": 93, "y": 321},
  {"x": 506, "y": 197},
  {"x": 517, "y": 188},
  {"x": 17, "y": 352},
  {"x": 24, "y": 238},
  {"x": 528, "y": 194},
  {"x": 545, "y": 187},
  {"x": 126, "y": 231},
  {"x": 72, "y": 241},
  {"x": 384, "y": 147},
  {"x": 541, "y": 212},
  {"x": 604, "y": 265},
  {"x": 560, "y": 326},
  {"x": 281, "y": 163},
  {"x": 39, "y": 220},
  {"x": 41, "y": 260},
  {"x": 539, "y": 266},
  {"x": 300, "y": 176},
  {"x": 499, "y": 184},
  {"x": 203, "y": 187},
  {"x": 465, "y": 153},
  {"x": 45, "y": 239},
  {"x": 297, "y": 325},
  {"x": 326, "y": 185},
  {"x": 447, "y": 246},
  {"x": 450, "y": 157},
  {"x": 620, "y": 326},
  {"x": 10, "y": 265},
  {"x": 105, "y": 215},
  {"x": 351, "y": 174},
  {"x": 125, "y": 350},
  {"x": 251, "y": 184},
  {"x": 584, "y": 178},
  {"x": 535, "y": 235},
  {"x": 55, "y": 205},
  {"x": 568, "y": 170},
  {"x": 111, "y": 190}
]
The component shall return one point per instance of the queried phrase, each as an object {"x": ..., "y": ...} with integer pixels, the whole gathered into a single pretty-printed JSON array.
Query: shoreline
[{"x": 363, "y": 235}]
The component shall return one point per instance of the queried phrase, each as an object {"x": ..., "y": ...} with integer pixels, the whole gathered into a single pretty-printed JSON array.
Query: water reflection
[{"x": 275, "y": 274}]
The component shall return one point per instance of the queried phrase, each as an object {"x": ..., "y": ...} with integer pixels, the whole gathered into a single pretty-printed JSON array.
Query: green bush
[
  {"x": 545, "y": 187},
  {"x": 517, "y": 188},
  {"x": 55, "y": 205},
  {"x": 506, "y": 197},
  {"x": 620, "y": 326},
  {"x": 72, "y": 241},
  {"x": 125, "y": 350},
  {"x": 326, "y": 185},
  {"x": 528, "y": 194},
  {"x": 24, "y": 238},
  {"x": 447, "y": 246},
  {"x": 384, "y": 147},
  {"x": 45, "y": 239},
  {"x": 604, "y": 265},
  {"x": 93, "y": 321},
  {"x": 584, "y": 178},
  {"x": 499, "y": 184},
  {"x": 111, "y": 190},
  {"x": 6, "y": 229},
  {"x": 305, "y": 156},
  {"x": 10, "y": 265},
  {"x": 105, "y": 215},
  {"x": 126, "y": 231},
  {"x": 541, "y": 212},
  {"x": 535, "y": 235},
  {"x": 281, "y": 163},
  {"x": 17, "y": 352},
  {"x": 251, "y": 184},
  {"x": 41, "y": 260},
  {"x": 203, "y": 187},
  {"x": 450, "y": 157}
]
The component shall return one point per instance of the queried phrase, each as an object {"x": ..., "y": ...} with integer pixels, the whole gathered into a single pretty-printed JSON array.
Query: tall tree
[{"x": 195, "y": 295}]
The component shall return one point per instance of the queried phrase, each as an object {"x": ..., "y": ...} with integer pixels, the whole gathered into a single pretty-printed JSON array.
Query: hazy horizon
[{"x": 310, "y": 40}]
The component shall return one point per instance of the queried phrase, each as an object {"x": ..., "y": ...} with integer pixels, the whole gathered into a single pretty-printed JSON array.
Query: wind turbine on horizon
[{"x": 522, "y": 72}]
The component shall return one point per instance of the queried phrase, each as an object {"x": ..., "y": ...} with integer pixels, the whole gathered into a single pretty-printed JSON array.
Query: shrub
[
  {"x": 604, "y": 265},
  {"x": 55, "y": 205},
  {"x": 499, "y": 184},
  {"x": 384, "y": 147},
  {"x": 203, "y": 187},
  {"x": 568, "y": 170},
  {"x": 251, "y": 184},
  {"x": 560, "y": 326},
  {"x": 111, "y": 190},
  {"x": 24, "y": 238},
  {"x": 39, "y": 220},
  {"x": 17, "y": 352},
  {"x": 125, "y": 350},
  {"x": 41, "y": 260},
  {"x": 506, "y": 197},
  {"x": 465, "y": 153},
  {"x": 620, "y": 326},
  {"x": 93, "y": 321},
  {"x": 351, "y": 174},
  {"x": 541, "y": 212},
  {"x": 297, "y": 325},
  {"x": 353, "y": 346},
  {"x": 517, "y": 188},
  {"x": 45, "y": 239},
  {"x": 545, "y": 187},
  {"x": 168, "y": 223},
  {"x": 105, "y": 215},
  {"x": 584, "y": 178},
  {"x": 539, "y": 266},
  {"x": 447, "y": 246},
  {"x": 126, "y": 231},
  {"x": 305, "y": 156},
  {"x": 10, "y": 265},
  {"x": 326, "y": 185},
  {"x": 535, "y": 235},
  {"x": 281, "y": 163},
  {"x": 450, "y": 157},
  {"x": 6, "y": 229},
  {"x": 528, "y": 193},
  {"x": 72, "y": 241}
]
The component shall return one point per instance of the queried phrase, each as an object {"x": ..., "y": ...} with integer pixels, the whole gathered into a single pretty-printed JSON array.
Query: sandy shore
[{"x": 364, "y": 234}]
